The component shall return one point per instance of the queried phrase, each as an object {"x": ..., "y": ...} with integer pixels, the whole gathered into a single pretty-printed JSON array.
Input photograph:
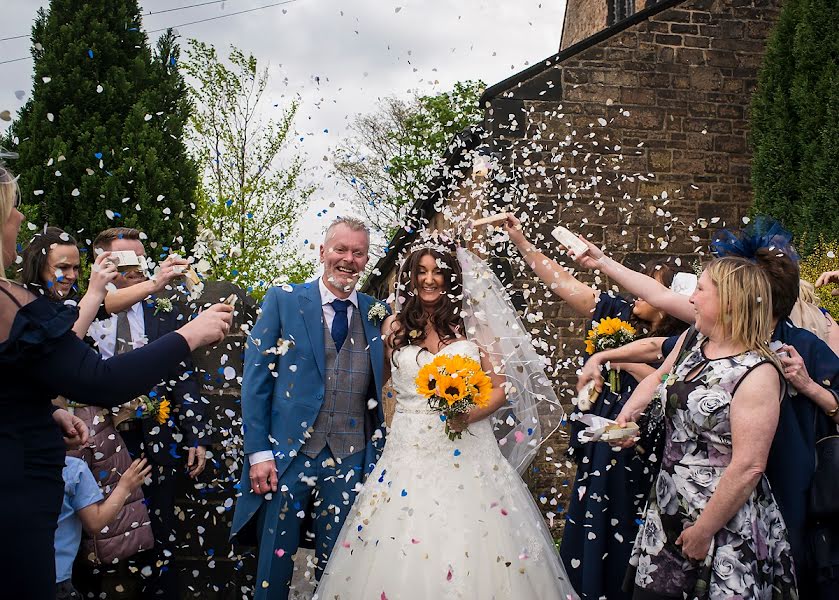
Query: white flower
[
  {"x": 652, "y": 534},
  {"x": 665, "y": 491},
  {"x": 706, "y": 402},
  {"x": 733, "y": 576},
  {"x": 163, "y": 305},
  {"x": 376, "y": 313},
  {"x": 643, "y": 576}
]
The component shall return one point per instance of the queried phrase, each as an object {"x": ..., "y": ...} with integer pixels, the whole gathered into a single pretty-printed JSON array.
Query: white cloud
[{"x": 358, "y": 51}]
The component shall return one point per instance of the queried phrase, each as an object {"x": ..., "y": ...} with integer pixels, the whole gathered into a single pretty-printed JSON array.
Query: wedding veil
[{"x": 491, "y": 322}]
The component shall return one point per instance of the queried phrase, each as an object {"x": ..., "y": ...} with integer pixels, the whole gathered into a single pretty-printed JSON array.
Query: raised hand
[
  {"x": 829, "y": 277},
  {"x": 135, "y": 475},
  {"x": 590, "y": 259},
  {"x": 102, "y": 273},
  {"x": 513, "y": 228},
  {"x": 209, "y": 327},
  {"x": 170, "y": 269}
]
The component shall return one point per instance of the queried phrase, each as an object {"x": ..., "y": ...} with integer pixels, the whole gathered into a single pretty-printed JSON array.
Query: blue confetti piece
[
  {"x": 404, "y": 493},
  {"x": 90, "y": 53},
  {"x": 443, "y": 418},
  {"x": 639, "y": 522},
  {"x": 530, "y": 431},
  {"x": 98, "y": 155},
  {"x": 457, "y": 452}
]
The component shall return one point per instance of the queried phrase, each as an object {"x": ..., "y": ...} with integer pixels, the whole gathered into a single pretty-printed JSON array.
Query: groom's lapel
[
  {"x": 310, "y": 306},
  {"x": 374, "y": 339}
]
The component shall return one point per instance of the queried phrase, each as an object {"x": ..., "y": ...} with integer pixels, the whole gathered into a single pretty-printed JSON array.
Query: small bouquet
[
  {"x": 153, "y": 409},
  {"x": 607, "y": 334},
  {"x": 453, "y": 384}
]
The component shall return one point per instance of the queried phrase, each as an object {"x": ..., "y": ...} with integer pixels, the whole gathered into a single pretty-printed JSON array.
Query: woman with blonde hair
[
  {"x": 712, "y": 528},
  {"x": 41, "y": 358}
]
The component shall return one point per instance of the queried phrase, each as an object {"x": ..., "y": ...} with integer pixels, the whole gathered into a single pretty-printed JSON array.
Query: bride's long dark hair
[{"x": 444, "y": 317}]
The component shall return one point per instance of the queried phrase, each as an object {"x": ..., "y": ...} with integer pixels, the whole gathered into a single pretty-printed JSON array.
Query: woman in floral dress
[{"x": 712, "y": 529}]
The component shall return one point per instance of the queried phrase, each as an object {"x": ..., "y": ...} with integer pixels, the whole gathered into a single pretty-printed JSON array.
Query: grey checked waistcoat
[{"x": 340, "y": 422}]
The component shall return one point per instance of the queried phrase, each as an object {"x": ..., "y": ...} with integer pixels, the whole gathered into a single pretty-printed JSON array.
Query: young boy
[{"x": 83, "y": 506}]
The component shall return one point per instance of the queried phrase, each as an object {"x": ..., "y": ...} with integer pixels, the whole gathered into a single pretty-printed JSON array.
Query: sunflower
[
  {"x": 450, "y": 389},
  {"x": 426, "y": 380},
  {"x": 163, "y": 411},
  {"x": 458, "y": 365},
  {"x": 482, "y": 386}
]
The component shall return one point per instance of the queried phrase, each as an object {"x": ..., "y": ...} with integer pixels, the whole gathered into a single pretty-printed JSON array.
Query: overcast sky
[{"x": 338, "y": 58}]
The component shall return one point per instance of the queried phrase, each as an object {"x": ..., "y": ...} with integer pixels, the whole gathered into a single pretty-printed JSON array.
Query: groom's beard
[{"x": 347, "y": 286}]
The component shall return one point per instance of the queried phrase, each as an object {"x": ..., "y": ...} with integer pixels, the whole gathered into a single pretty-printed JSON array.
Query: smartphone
[{"x": 569, "y": 240}]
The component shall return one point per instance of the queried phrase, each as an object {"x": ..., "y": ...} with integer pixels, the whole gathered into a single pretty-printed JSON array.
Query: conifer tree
[
  {"x": 100, "y": 137},
  {"x": 795, "y": 122}
]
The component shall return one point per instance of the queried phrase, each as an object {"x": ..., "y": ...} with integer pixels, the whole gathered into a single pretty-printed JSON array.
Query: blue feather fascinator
[{"x": 762, "y": 232}]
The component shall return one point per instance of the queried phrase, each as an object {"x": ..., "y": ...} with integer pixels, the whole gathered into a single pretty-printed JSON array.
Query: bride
[{"x": 440, "y": 518}]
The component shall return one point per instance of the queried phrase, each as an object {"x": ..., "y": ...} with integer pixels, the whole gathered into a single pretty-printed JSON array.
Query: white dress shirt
[
  {"x": 326, "y": 298},
  {"x": 104, "y": 331}
]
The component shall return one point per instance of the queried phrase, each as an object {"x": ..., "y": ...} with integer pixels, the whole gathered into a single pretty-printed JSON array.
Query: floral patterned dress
[{"x": 749, "y": 558}]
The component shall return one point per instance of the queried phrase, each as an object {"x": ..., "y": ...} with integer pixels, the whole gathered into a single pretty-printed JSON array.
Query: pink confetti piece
[
  {"x": 414, "y": 541},
  {"x": 346, "y": 544},
  {"x": 519, "y": 437},
  {"x": 504, "y": 512},
  {"x": 279, "y": 552}
]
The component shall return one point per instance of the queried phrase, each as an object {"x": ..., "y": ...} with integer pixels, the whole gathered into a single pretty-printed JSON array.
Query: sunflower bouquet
[
  {"x": 149, "y": 408},
  {"x": 610, "y": 333},
  {"x": 453, "y": 384}
]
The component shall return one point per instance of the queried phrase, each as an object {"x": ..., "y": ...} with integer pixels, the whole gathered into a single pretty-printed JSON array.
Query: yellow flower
[
  {"x": 426, "y": 380},
  {"x": 590, "y": 346},
  {"x": 163, "y": 411},
  {"x": 450, "y": 389},
  {"x": 482, "y": 386}
]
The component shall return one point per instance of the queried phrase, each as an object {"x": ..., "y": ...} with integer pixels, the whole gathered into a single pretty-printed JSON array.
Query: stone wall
[{"x": 639, "y": 142}]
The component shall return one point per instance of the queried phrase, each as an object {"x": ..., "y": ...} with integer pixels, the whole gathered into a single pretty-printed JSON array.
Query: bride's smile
[{"x": 430, "y": 281}]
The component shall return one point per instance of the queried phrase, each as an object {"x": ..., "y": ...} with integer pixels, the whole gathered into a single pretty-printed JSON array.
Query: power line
[
  {"x": 160, "y": 12},
  {"x": 233, "y": 14},
  {"x": 3, "y": 62}
]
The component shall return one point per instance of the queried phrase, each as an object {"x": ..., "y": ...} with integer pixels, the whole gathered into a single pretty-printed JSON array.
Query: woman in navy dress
[
  {"x": 610, "y": 486},
  {"x": 41, "y": 358}
]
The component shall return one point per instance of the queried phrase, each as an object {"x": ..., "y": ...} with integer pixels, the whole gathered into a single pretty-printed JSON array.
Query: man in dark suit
[{"x": 164, "y": 440}]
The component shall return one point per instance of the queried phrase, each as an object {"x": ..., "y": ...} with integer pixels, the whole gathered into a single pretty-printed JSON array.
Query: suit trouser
[
  {"x": 157, "y": 566},
  {"x": 316, "y": 486}
]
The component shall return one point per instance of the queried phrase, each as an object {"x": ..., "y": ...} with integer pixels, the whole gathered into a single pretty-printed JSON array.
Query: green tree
[
  {"x": 249, "y": 204},
  {"x": 795, "y": 122},
  {"x": 391, "y": 153},
  {"x": 100, "y": 138}
]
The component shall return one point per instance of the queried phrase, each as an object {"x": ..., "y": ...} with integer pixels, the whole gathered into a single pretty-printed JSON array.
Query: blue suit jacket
[{"x": 282, "y": 394}]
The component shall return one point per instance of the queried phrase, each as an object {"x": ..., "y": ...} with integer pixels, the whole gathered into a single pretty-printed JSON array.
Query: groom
[{"x": 311, "y": 408}]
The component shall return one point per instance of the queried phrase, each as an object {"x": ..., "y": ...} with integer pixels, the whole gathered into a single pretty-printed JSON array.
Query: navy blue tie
[{"x": 340, "y": 324}]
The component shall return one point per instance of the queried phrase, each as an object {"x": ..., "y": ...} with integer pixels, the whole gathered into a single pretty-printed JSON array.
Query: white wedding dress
[{"x": 440, "y": 519}]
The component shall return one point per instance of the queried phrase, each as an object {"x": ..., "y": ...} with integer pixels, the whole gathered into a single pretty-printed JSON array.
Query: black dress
[{"x": 41, "y": 358}]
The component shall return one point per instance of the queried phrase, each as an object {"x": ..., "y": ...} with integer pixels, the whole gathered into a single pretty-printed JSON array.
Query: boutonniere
[
  {"x": 376, "y": 313},
  {"x": 163, "y": 305}
]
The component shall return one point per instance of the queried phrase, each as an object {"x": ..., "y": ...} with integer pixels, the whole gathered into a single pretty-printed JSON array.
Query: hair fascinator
[{"x": 763, "y": 232}]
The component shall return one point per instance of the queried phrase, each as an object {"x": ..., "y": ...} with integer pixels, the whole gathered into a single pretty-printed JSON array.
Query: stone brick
[
  {"x": 730, "y": 144},
  {"x": 637, "y": 95},
  {"x": 716, "y": 163},
  {"x": 706, "y": 78},
  {"x": 696, "y": 41},
  {"x": 668, "y": 40}
]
